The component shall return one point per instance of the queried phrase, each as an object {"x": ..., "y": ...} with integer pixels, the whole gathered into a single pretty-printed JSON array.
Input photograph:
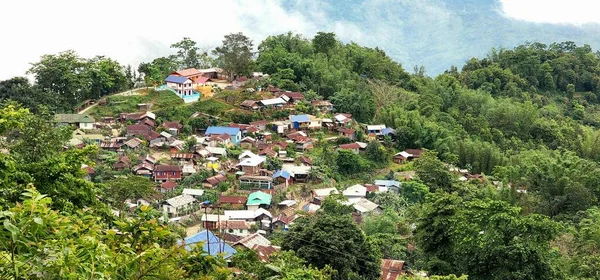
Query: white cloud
[
  {"x": 575, "y": 12},
  {"x": 136, "y": 31}
]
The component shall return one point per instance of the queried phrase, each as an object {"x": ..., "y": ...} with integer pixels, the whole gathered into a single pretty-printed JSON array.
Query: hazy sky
[{"x": 433, "y": 33}]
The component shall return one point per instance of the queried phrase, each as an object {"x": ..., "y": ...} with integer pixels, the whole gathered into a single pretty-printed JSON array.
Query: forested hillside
[{"x": 525, "y": 119}]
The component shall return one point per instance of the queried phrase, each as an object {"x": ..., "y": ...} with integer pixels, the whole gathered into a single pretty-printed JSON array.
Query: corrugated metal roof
[
  {"x": 211, "y": 244},
  {"x": 391, "y": 269},
  {"x": 176, "y": 79},
  {"x": 233, "y": 131},
  {"x": 299, "y": 118}
]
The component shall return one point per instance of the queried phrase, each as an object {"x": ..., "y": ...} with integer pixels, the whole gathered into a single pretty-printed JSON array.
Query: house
[
  {"x": 253, "y": 240},
  {"x": 138, "y": 129},
  {"x": 122, "y": 163},
  {"x": 137, "y": 117},
  {"x": 342, "y": 119},
  {"x": 354, "y": 147},
  {"x": 211, "y": 221},
  {"x": 375, "y": 130},
  {"x": 250, "y": 105},
  {"x": 234, "y": 202},
  {"x": 324, "y": 192},
  {"x": 261, "y": 124},
  {"x": 355, "y": 192},
  {"x": 248, "y": 215},
  {"x": 214, "y": 181},
  {"x": 188, "y": 169},
  {"x": 315, "y": 122},
  {"x": 365, "y": 207},
  {"x": 299, "y": 173},
  {"x": 217, "y": 152},
  {"x": 262, "y": 182},
  {"x": 78, "y": 120},
  {"x": 164, "y": 173},
  {"x": 173, "y": 127},
  {"x": 282, "y": 177},
  {"x": 211, "y": 244},
  {"x": 391, "y": 269},
  {"x": 251, "y": 165},
  {"x": 323, "y": 106},
  {"x": 213, "y": 73},
  {"x": 283, "y": 222},
  {"x": 234, "y": 132},
  {"x": 407, "y": 155},
  {"x": 274, "y": 103},
  {"x": 293, "y": 97},
  {"x": 304, "y": 160},
  {"x": 258, "y": 199},
  {"x": 144, "y": 169},
  {"x": 240, "y": 228},
  {"x": 183, "y": 157},
  {"x": 167, "y": 186},
  {"x": 196, "y": 193},
  {"x": 181, "y": 85},
  {"x": 281, "y": 126},
  {"x": 348, "y": 133},
  {"x": 88, "y": 172},
  {"x": 239, "y": 81},
  {"x": 96, "y": 138},
  {"x": 133, "y": 143},
  {"x": 190, "y": 73},
  {"x": 179, "y": 205},
  {"x": 217, "y": 140},
  {"x": 300, "y": 121},
  {"x": 247, "y": 142},
  {"x": 391, "y": 185}
]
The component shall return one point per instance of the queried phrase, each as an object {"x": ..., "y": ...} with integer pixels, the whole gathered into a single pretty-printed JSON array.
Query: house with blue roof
[
  {"x": 211, "y": 244},
  {"x": 282, "y": 177},
  {"x": 234, "y": 132},
  {"x": 300, "y": 121},
  {"x": 184, "y": 87}
]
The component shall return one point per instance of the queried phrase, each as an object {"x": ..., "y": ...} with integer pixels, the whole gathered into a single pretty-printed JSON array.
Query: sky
[{"x": 432, "y": 33}]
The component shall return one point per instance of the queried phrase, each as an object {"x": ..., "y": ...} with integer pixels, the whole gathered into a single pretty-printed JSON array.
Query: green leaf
[{"x": 38, "y": 220}]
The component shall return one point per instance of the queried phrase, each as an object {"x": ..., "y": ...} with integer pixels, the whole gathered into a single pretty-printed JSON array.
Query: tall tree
[
  {"x": 324, "y": 42},
  {"x": 235, "y": 54},
  {"x": 334, "y": 240},
  {"x": 433, "y": 172},
  {"x": 189, "y": 55},
  {"x": 63, "y": 73},
  {"x": 119, "y": 190}
]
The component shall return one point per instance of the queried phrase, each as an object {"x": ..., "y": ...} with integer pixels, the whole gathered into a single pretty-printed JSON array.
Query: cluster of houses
[{"x": 252, "y": 211}]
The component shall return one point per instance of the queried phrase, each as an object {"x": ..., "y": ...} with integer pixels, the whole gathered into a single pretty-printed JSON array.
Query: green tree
[
  {"x": 121, "y": 189},
  {"x": 333, "y": 240},
  {"x": 324, "y": 42},
  {"x": 190, "y": 56},
  {"x": 433, "y": 172},
  {"x": 349, "y": 163},
  {"x": 273, "y": 163},
  {"x": 484, "y": 239},
  {"x": 235, "y": 54},
  {"x": 377, "y": 153}
]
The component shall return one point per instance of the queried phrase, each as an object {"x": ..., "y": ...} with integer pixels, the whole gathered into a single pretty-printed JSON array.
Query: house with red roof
[
  {"x": 233, "y": 202},
  {"x": 354, "y": 147},
  {"x": 163, "y": 173},
  {"x": 214, "y": 181},
  {"x": 167, "y": 186},
  {"x": 123, "y": 163},
  {"x": 173, "y": 127},
  {"x": 347, "y": 132}
]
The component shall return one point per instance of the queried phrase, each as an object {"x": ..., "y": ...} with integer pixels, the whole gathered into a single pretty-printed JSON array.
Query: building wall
[{"x": 86, "y": 125}]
